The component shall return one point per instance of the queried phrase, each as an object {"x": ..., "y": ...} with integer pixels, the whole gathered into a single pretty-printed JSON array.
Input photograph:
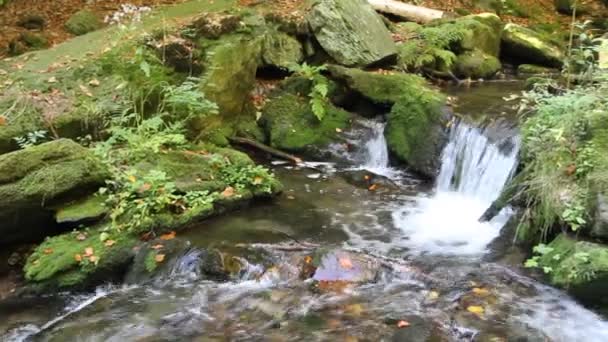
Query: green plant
[
  {"x": 187, "y": 100},
  {"x": 249, "y": 176},
  {"x": 581, "y": 59},
  {"x": 540, "y": 250},
  {"x": 320, "y": 87},
  {"x": 32, "y": 139}
]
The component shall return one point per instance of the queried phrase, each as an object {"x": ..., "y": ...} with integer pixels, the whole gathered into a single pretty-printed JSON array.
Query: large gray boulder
[
  {"x": 600, "y": 224},
  {"x": 351, "y": 32},
  {"x": 34, "y": 180},
  {"x": 527, "y": 46}
]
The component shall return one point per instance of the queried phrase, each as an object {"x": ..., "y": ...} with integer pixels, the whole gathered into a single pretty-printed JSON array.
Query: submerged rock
[
  {"x": 155, "y": 257},
  {"x": 351, "y": 32},
  {"x": 415, "y": 131},
  {"x": 527, "y": 46},
  {"x": 343, "y": 266},
  {"x": 476, "y": 64},
  {"x": 34, "y": 180},
  {"x": 579, "y": 266},
  {"x": 83, "y": 22}
]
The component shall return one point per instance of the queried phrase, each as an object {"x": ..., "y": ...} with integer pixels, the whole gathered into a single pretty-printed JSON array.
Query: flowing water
[{"x": 410, "y": 251}]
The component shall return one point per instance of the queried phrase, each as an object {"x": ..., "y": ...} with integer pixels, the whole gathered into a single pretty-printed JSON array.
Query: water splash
[
  {"x": 474, "y": 170},
  {"x": 376, "y": 150}
]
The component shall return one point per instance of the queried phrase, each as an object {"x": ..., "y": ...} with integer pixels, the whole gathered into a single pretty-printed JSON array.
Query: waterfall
[
  {"x": 376, "y": 151},
  {"x": 473, "y": 172}
]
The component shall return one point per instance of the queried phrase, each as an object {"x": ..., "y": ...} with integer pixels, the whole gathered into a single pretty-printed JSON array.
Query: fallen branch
[
  {"x": 267, "y": 149},
  {"x": 406, "y": 11}
]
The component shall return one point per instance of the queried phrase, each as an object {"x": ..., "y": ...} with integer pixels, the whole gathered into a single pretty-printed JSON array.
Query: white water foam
[{"x": 474, "y": 171}]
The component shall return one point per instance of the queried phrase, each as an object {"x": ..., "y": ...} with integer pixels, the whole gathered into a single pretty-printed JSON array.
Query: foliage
[
  {"x": 581, "y": 59},
  {"x": 320, "y": 87},
  {"x": 540, "y": 250},
  {"x": 32, "y": 139},
  {"x": 249, "y": 176}
]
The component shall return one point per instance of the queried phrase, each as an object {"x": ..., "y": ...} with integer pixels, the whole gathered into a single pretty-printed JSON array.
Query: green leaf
[{"x": 145, "y": 67}]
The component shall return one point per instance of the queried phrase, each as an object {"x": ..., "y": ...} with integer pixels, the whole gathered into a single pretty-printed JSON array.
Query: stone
[
  {"x": 214, "y": 25},
  {"x": 484, "y": 33},
  {"x": 351, "y": 32},
  {"x": 527, "y": 46},
  {"x": 34, "y": 180},
  {"x": 84, "y": 210},
  {"x": 343, "y": 266},
  {"x": 83, "y": 22},
  {"x": 415, "y": 131},
  {"x": 531, "y": 69},
  {"x": 281, "y": 50},
  {"x": 32, "y": 22},
  {"x": 147, "y": 264},
  {"x": 600, "y": 222},
  {"x": 27, "y": 41},
  {"x": 476, "y": 64},
  {"x": 579, "y": 266}
]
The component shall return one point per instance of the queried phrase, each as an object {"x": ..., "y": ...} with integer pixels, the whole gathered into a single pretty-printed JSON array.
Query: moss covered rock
[
  {"x": 476, "y": 64},
  {"x": 35, "y": 179},
  {"x": 290, "y": 124},
  {"x": 83, "y": 22},
  {"x": 83, "y": 210},
  {"x": 281, "y": 50},
  {"x": 351, "y": 32},
  {"x": 532, "y": 69},
  {"x": 579, "y": 266},
  {"x": 484, "y": 33},
  {"x": 27, "y": 41},
  {"x": 415, "y": 124},
  {"x": 527, "y": 46}
]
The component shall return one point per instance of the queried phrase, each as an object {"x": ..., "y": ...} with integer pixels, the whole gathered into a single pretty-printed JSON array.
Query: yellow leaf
[
  {"x": 132, "y": 179},
  {"x": 88, "y": 251},
  {"x": 48, "y": 251},
  {"x": 354, "y": 309},
  {"x": 85, "y": 90},
  {"x": 168, "y": 236},
  {"x": 433, "y": 295},
  {"x": 258, "y": 180},
  {"x": 78, "y": 257},
  {"x": 159, "y": 257},
  {"x": 475, "y": 309},
  {"x": 109, "y": 243},
  {"x": 480, "y": 291}
]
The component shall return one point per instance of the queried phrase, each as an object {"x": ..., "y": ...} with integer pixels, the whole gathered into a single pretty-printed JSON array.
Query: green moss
[
  {"x": 88, "y": 208},
  {"x": 528, "y": 46},
  {"x": 281, "y": 50},
  {"x": 531, "y": 69},
  {"x": 477, "y": 64},
  {"x": 83, "y": 22}
]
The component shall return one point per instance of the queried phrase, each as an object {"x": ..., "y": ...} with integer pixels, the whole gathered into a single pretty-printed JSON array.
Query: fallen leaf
[
  {"x": 132, "y": 179},
  {"x": 475, "y": 309},
  {"x": 403, "y": 324},
  {"x": 109, "y": 243},
  {"x": 291, "y": 197},
  {"x": 373, "y": 187},
  {"x": 366, "y": 177},
  {"x": 85, "y": 90},
  {"x": 94, "y": 82},
  {"x": 308, "y": 259},
  {"x": 571, "y": 169},
  {"x": 2, "y": 120},
  {"x": 433, "y": 295},
  {"x": 88, "y": 251},
  {"x": 78, "y": 257},
  {"x": 94, "y": 259},
  {"x": 36, "y": 262},
  {"x": 157, "y": 247},
  {"x": 354, "y": 309},
  {"x": 52, "y": 80},
  {"x": 48, "y": 251},
  {"x": 81, "y": 237},
  {"x": 228, "y": 192},
  {"x": 168, "y": 236},
  {"x": 338, "y": 130},
  {"x": 345, "y": 262},
  {"x": 159, "y": 257},
  {"x": 257, "y": 180},
  {"x": 480, "y": 291}
]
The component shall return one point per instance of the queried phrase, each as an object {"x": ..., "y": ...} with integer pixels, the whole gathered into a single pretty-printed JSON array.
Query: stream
[{"x": 425, "y": 268}]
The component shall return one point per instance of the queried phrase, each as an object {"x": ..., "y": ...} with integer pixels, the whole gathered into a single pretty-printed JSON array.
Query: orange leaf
[
  {"x": 157, "y": 247},
  {"x": 159, "y": 257},
  {"x": 228, "y": 192},
  {"x": 109, "y": 243},
  {"x": 88, "y": 251},
  {"x": 345, "y": 263},
  {"x": 366, "y": 177},
  {"x": 308, "y": 259},
  {"x": 2, "y": 120},
  {"x": 48, "y": 251},
  {"x": 168, "y": 236},
  {"x": 403, "y": 324},
  {"x": 373, "y": 187},
  {"x": 78, "y": 257}
]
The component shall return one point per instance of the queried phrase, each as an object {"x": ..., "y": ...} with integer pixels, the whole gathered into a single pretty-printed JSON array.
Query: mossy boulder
[
  {"x": 34, "y": 180},
  {"x": 281, "y": 50},
  {"x": 27, "y": 41},
  {"x": 231, "y": 66},
  {"x": 415, "y": 124},
  {"x": 351, "y": 32},
  {"x": 214, "y": 25},
  {"x": 83, "y": 210},
  {"x": 476, "y": 64},
  {"x": 579, "y": 266},
  {"x": 290, "y": 124},
  {"x": 484, "y": 33},
  {"x": 83, "y": 22},
  {"x": 527, "y": 46},
  {"x": 532, "y": 69}
]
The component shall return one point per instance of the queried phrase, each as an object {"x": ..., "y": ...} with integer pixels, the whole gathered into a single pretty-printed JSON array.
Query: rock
[
  {"x": 484, "y": 33},
  {"x": 415, "y": 124},
  {"x": 83, "y": 22},
  {"x": 32, "y": 22},
  {"x": 579, "y": 266},
  {"x": 179, "y": 54},
  {"x": 27, "y": 41},
  {"x": 156, "y": 258},
  {"x": 527, "y": 46},
  {"x": 365, "y": 179},
  {"x": 34, "y": 180},
  {"x": 600, "y": 224},
  {"x": 418, "y": 330},
  {"x": 343, "y": 266},
  {"x": 85, "y": 210},
  {"x": 476, "y": 64},
  {"x": 281, "y": 50},
  {"x": 531, "y": 69},
  {"x": 290, "y": 124},
  {"x": 567, "y": 6},
  {"x": 214, "y": 25},
  {"x": 231, "y": 67},
  {"x": 351, "y": 32}
]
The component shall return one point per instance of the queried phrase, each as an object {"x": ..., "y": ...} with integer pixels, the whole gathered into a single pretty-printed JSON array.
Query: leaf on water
[
  {"x": 475, "y": 309},
  {"x": 78, "y": 257},
  {"x": 433, "y": 295},
  {"x": 480, "y": 291},
  {"x": 168, "y": 236},
  {"x": 373, "y": 187},
  {"x": 346, "y": 263},
  {"x": 354, "y": 309},
  {"x": 403, "y": 324},
  {"x": 81, "y": 237},
  {"x": 48, "y": 251},
  {"x": 228, "y": 192},
  {"x": 109, "y": 243},
  {"x": 159, "y": 258},
  {"x": 88, "y": 251}
]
